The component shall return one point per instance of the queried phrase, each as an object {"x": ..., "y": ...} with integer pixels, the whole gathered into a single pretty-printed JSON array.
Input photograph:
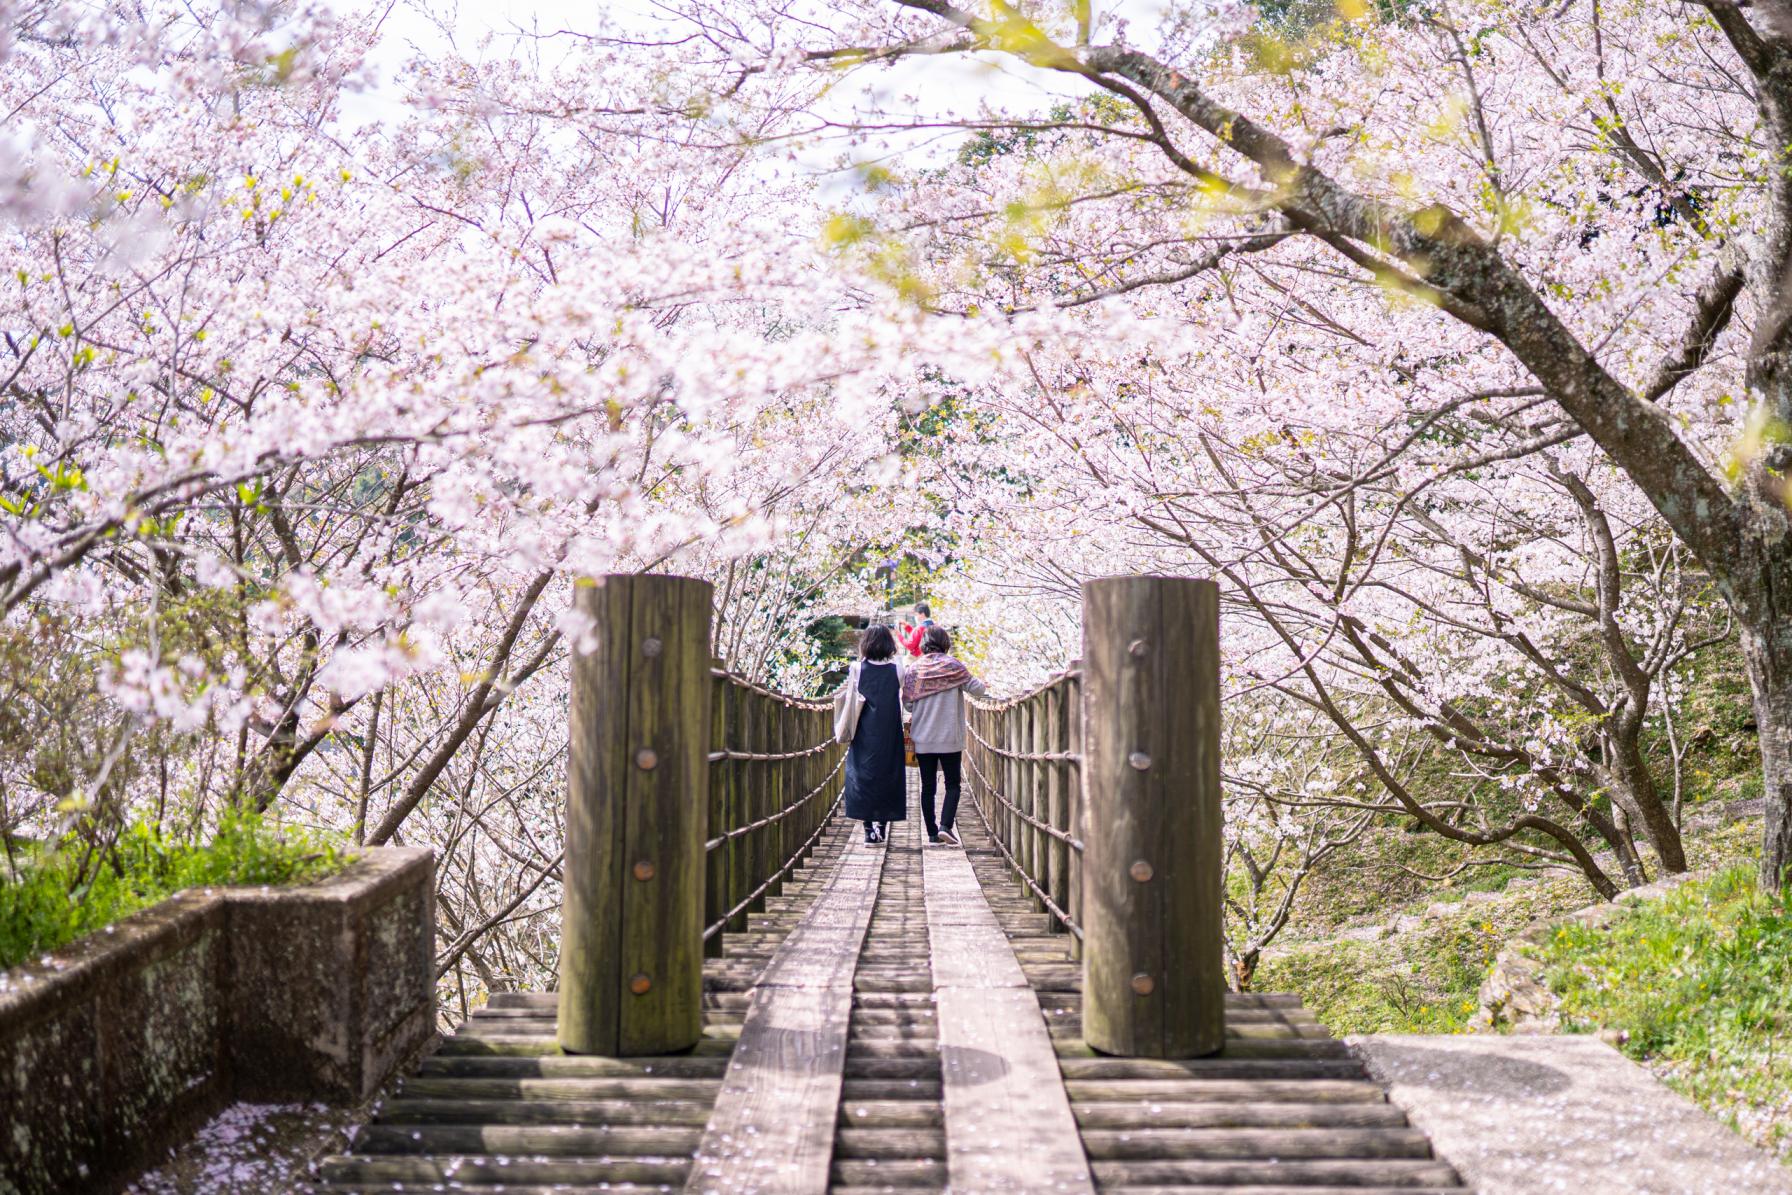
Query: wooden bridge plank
[
  {"x": 1009, "y": 1126},
  {"x": 772, "y": 1129}
]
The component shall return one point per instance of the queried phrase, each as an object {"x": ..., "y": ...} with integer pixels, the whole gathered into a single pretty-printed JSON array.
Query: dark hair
[
  {"x": 935, "y": 641},
  {"x": 877, "y": 643},
  {"x": 923, "y": 609}
]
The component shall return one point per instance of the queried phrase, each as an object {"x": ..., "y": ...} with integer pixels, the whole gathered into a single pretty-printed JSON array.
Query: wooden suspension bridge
[{"x": 752, "y": 1000}]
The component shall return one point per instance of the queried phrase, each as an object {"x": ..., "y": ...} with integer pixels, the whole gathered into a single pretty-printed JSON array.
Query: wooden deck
[{"x": 900, "y": 1018}]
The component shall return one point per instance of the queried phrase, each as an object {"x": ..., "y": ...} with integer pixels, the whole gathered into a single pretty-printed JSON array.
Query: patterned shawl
[{"x": 932, "y": 674}]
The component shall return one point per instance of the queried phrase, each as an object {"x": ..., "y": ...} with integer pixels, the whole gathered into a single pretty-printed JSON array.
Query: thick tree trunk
[
  {"x": 1623, "y": 843},
  {"x": 1612, "y": 833},
  {"x": 1769, "y": 654},
  {"x": 1632, "y": 775}
]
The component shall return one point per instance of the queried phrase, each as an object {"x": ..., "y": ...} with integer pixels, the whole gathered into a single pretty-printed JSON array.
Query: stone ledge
[
  {"x": 117, "y": 1045},
  {"x": 1524, "y": 1115}
]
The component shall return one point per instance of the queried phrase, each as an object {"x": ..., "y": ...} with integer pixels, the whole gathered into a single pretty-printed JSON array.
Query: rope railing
[
  {"x": 1055, "y": 680},
  {"x": 771, "y": 757},
  {"x": 1041, "y": 895},
  {"x": 721, "y": 923},
  {"x": 1064, "y": 836},
  {"x": 1024, "y": 755},
  {"x": 1029, "y": 756},
  {"x": 741, "y": 831},
  {"x": 770, "y": 694},
  {"x": 694, "y": 793}
]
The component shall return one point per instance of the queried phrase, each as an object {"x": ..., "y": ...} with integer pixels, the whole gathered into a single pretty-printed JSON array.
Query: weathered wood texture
[
  {"x": 1154, "y": 980},
  {"x": 891, "y": 1131},
  {"x": 1009, "y": 1127},
  {"x": 772, "y": 1128},
  {"x": 774, "y": 778},
  {"x": 720, "y": 866},
  {"x": 1022, "y": 772},
  {"x": 500, "y": 1087},
  {"x": 1283, "y": 1109},
  {"x": 1053, "y": 739},
  {"x": 1074, "y": 803},
  {"x": 637, "y": 811}
]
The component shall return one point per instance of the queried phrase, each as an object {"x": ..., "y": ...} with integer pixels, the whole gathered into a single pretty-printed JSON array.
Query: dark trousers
[{"x": 931, "y": 766}]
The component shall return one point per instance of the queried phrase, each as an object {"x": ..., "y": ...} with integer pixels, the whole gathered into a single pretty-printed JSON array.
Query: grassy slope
[
  {"x": 1425, "y": 980},
  {"x": 1700, "y": 984}
]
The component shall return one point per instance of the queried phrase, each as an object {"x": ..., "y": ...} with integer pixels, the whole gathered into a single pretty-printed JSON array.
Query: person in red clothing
[{"x": 911, "y": 634}]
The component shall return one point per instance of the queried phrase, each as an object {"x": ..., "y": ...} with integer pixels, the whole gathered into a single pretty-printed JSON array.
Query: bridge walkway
[{"x": 822, "y": 1068}]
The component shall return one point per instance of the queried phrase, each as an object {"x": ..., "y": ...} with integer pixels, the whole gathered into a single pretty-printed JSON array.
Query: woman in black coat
[{"x": 876, "y": 789}]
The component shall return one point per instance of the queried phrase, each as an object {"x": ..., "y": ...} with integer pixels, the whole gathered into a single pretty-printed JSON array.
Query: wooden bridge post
[
  {"x": 740, "y": 878},
  {"x": 1016, "y": 774},
  {"x": 637, "y": 811},
  {"x": 790, "y": 778},
  {"x": 774, "y": 777},
  {"x": 753, "y": 783},
  {"x": 1153, "y": 975}
]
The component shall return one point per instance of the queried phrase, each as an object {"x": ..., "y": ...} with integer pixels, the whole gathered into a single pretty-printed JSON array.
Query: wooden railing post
[
  {"x": 1056, "y": 811},
  {"x": 1015, "y": 771},
  {"x": 790, "y": 738},
  {"x": 740, "y": 871},
  {"x": 1026, "y": 846},
  {"x": 776, "y": 792},
  {"x": 716, "y": 887},
  {"x": 1073, "y": 739},
  {"x": 1153, "y": 975},
  {"x": 637, "y": 810},
  {"x": 747, "y": 800}
]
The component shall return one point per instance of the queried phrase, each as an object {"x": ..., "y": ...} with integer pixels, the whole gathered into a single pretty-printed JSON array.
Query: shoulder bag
[{"x": 847, "y": 704}]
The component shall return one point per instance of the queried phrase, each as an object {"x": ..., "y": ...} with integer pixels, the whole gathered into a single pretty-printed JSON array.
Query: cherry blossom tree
[
  {"x": 1565, "y": 224},
  {"x": 310, "y": 429}
]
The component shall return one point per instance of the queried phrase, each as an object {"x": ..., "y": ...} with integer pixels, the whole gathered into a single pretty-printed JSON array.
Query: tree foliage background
[{"x": 1450, "y": 337}]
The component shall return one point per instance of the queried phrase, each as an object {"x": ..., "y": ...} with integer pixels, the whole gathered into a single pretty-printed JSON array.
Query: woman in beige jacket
[{"x": 933, "y": 688}]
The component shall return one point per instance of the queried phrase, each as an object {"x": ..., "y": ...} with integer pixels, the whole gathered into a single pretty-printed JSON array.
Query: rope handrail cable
[
  {"x": 774, "y": 818},
  {"x": 789, "y": 863},
  {"x": 1050, "y": 682},
  {"x": 781, "y": 698},
  {"x": 1026, "y": 756},
  {"x": 728, "y": 753},
  {"x": 1045, "y": 899},
  {"x": 1075, "y": 844}
]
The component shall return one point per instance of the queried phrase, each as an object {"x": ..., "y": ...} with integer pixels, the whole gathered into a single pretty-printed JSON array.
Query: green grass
[
  {"x": 1385, "y": 871},
  {"x": 1701, "y": 983},
  {"x": 1427, "y": 979},
  {"x": 45, "y": 906},
  {"x": 1423, "y": 981}
]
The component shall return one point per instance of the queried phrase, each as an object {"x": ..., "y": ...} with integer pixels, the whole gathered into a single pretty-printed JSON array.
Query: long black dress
[{"x": 876, "y": 790}]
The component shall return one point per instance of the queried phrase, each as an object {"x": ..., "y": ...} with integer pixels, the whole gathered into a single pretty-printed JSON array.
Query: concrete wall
[{"x": 118, "y": 1045}]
